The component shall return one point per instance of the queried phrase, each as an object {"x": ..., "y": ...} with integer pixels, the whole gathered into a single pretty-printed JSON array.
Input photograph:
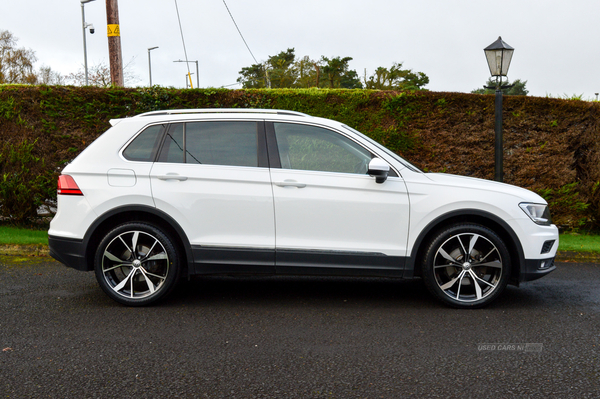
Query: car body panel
[
  {"x": 470, "y": 194},
  {"x": 236, "y": 202},
  {"x": 330, "y": 212}
]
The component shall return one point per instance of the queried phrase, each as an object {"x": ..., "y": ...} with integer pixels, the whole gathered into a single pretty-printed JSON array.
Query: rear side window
[
  {"x": 144, "y": 147},
  {"x": 212, "y": 143},
  {"x": 172, "y": 150}
]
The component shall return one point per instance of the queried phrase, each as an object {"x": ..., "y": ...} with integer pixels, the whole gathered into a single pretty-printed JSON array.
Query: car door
[
  {"x": 330, "y": 215},
  {"x": 212, "y": 178}
]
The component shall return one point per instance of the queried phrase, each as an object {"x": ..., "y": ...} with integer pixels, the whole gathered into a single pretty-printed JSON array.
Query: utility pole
[{"x": 114, "y": 43}]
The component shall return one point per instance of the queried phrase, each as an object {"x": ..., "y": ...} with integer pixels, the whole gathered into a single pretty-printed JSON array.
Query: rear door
[{"x": 212, "y": 177}]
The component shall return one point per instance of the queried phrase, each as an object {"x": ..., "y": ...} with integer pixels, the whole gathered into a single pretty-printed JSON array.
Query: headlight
[{"x": 539, "y": 213}]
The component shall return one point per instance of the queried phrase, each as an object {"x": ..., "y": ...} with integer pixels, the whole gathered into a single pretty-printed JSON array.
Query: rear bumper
[
  {"x": 536, "y": 268},
  {"x": 68, "y": 251}
]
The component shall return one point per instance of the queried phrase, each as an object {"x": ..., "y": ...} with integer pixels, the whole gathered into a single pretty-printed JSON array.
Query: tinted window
[
  {"x": 143, "y": 148},
  {"x": 307, "y": 147},
  {"x": 222, "y": 143},
  {"x": 212, "y": 143},
  {"x": 172, "y": 150}
]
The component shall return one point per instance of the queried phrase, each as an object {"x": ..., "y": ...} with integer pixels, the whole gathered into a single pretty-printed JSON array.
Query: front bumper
[
  {"x": 68, "y": 251},
  {"x": 536, "y": 268}
]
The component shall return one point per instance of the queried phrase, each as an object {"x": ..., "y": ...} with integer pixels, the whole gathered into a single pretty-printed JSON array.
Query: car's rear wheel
[
  {"x": 466, "y": 266},
  {"x": 137, "y": 264}
]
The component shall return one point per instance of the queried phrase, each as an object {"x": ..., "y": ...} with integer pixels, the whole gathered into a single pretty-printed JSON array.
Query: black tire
[
  {"x": 466, "y": 266},
  {"x": 137, "y": 264}
]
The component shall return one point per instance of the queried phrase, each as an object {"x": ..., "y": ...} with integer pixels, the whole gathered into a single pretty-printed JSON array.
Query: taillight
[{"x": 67, "y": 186}]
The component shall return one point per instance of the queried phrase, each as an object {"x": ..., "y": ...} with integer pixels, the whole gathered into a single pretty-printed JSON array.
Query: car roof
[{"x": 213, "y": 111}]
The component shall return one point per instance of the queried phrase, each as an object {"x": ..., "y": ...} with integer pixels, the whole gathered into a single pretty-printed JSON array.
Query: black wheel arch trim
[
  {"x": 467, "y": 216},
  {"x": 128, "y": 209}
]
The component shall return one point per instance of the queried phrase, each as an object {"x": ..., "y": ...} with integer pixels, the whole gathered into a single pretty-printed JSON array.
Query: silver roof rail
[{"x": 223, "y": 111}]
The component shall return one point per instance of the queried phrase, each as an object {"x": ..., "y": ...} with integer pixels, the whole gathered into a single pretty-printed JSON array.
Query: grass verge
[
  {"x": 18, "y": 236},
  {"x": 579, "y": 243}
]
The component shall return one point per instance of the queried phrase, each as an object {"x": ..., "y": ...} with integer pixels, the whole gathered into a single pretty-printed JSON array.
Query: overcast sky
[{"x": 557, "y": 42}]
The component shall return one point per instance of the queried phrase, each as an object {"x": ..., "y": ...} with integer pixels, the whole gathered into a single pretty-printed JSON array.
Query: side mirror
[{"x": 379, "y": 169}]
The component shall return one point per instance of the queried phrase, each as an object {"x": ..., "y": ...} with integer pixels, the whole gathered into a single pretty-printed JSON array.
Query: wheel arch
[
  {"x": 136, "y": 213},
  {"x": 483, "y": 218}
]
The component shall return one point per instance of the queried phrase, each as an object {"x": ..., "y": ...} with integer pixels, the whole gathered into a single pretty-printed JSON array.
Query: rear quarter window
[{"x": 145, "y": 146}]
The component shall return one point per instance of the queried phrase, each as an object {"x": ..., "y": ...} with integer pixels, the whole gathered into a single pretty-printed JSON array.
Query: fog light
[{"x": 546, "y": 264}]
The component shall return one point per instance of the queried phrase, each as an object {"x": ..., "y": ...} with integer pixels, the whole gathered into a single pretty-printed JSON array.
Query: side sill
[
  {"x": 213, "y": 260},
  {"x": 333, "y": 263},
  {"x": 217, "y": 260}
]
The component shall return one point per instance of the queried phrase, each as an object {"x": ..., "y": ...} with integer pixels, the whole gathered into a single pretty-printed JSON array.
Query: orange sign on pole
[{"x": 113, "y": 30}]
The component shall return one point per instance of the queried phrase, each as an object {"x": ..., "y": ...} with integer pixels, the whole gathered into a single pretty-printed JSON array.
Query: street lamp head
[
  {"x": 498, "y": 55},
  {"x": 86, "y": 1},
  {"x": 152, "y": 48}
]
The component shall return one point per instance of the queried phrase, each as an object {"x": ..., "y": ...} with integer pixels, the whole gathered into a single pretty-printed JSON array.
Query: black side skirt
[{"x": 212, "y": 260}]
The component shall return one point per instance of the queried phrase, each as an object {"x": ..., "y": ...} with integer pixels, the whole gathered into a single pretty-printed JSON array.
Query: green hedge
[{"x": 551, "y": 145}]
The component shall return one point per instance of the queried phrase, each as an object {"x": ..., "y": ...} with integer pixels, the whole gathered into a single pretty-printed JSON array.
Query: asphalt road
[{"x": 61, "y": 337}]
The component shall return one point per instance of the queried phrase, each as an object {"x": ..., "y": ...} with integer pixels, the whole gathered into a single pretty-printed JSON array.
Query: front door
[{"x": 330, "y": 215}]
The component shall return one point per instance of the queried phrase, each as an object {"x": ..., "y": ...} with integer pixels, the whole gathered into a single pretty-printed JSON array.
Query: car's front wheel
[
  {"x": 137, "y": 264},
  {"x": 466, "y": 266}
]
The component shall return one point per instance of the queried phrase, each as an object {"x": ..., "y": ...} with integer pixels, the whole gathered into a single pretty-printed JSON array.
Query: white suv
[{"x": 229, "y": 191}]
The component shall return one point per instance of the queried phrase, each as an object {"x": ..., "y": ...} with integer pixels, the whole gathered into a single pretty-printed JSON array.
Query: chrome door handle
[
  {"x": 290, "y": 183},
  {"x": 173, "y": 176}
]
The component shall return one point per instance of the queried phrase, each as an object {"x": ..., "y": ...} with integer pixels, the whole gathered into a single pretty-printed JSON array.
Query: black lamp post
[{"x": 498, "y": 55}]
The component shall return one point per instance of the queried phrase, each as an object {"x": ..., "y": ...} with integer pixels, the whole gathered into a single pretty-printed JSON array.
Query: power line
[
  {"x": 240, "y": 32},
  {"x": 183, "y": 41}
]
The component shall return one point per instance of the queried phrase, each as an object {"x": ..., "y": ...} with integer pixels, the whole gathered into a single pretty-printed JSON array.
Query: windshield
[{"x": 386, "y": 150}]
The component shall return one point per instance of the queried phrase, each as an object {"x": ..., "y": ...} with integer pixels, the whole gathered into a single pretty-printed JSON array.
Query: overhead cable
[
  {"x": 240, "y": 32},
  {"x": 184, "y": 50}
]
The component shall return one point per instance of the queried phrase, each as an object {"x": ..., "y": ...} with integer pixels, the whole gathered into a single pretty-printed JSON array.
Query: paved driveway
[{"x": 60, "y": 336}]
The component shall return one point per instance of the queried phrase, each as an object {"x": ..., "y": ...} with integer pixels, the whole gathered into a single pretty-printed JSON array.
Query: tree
[
  {"x": 308, "y": 72},
  {"x": 16, "y": 64},
  {"x": 396, "y": 78},
  {"x": 276, "y": 72},
  {"x": 253, "y": 77},
  {"x": 280, "y": 71},
  {"x": 338, "y": 74},
  {"x": 283, "y": 71},
  {"x": 517, "y": 89},
  {"x": 99, "y": 75},
  {"x": 46, "y": 76}
]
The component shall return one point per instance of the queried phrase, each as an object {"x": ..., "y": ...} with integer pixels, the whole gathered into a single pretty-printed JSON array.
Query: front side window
[
  {"x": 306, "y": 147},
  {"x": 211, "y": 143}
]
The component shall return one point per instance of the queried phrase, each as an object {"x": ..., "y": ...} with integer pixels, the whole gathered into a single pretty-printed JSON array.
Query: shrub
[
  {"x": 552, "y": 146},
  {"x": 25, "y": 182}
]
